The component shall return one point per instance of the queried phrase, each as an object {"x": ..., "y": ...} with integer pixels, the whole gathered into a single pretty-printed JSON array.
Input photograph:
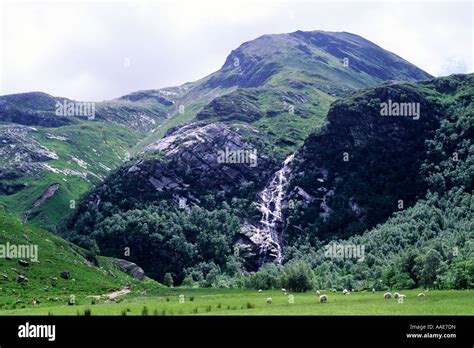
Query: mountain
[
  {"x": 282, "y": 85},
  {"x": 285, "y": 83},
  {"x": 222, "y": 171}
]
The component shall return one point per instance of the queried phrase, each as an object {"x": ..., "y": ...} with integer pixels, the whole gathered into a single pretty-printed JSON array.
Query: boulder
[{"x": 129, "y": 268}]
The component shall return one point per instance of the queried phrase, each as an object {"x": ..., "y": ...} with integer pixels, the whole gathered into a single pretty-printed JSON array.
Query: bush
[
  {"x": 268, "y": 277},
  {"x": 298, "y": 277}
]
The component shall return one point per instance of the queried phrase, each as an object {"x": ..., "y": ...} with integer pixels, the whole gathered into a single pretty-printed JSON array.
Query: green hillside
[{"x": 88, "y": 274}]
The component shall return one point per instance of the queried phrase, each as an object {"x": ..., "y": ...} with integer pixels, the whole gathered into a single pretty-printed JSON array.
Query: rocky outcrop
[
  {"x": 129, "y": 268},
  {"x": 19, "y": 149},
  {"x": 49, "y": 192},
  {"x": 198, "y": 158}
]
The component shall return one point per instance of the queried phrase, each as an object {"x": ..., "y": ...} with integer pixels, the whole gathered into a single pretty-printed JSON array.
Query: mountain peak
[{"x": 332, "y": 56}]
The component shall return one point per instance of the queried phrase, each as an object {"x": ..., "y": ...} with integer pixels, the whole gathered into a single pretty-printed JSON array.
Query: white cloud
[{"x": 78, "y": 49}]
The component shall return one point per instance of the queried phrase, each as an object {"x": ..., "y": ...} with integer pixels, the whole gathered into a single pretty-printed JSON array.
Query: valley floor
[{"x": 251, "y": 302}]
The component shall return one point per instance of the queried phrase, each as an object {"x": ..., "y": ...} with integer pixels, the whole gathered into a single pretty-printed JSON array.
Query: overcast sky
[{"x": 101, "y": 50}]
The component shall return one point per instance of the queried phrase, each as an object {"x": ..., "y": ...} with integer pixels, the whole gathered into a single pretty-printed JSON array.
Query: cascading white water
[{"x": 270, "y": 205}]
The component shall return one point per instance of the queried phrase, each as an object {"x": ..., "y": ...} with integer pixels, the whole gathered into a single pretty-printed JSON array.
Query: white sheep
[
  {"x": 260, "y": 290},
  {"x": 396, "y": 295},
  {"x": 269, "y": 300},
  {"x": 283, "y": 290},
  {"x": 323, "y": 298},
  {"x": 318, "y": 292},
  {"x": 402, "y": 296},
  {"x": 345, "y": 292},
  {"x": 334, "y": 290},
  {"x": 387, "y": 295},
  {"x": 373, "y": 290},
  {"x": 421, "y": 294}
]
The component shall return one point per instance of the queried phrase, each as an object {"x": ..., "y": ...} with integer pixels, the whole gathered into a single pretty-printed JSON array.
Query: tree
[
  {"x": 298, "y": 276},
  {"x": 428, "y": 266},
  {"x": 168, "y": 280},
  {"x": 464, "y": 274}
]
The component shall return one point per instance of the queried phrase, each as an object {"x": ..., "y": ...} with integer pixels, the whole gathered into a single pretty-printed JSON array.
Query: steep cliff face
[{"x": 200, "y": 158}]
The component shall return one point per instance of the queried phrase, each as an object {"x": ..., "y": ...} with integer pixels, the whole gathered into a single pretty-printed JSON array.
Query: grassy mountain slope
[
  {"x": 39, "y": 148},
  {"x": 74, "y": 156},
  {"x": 289, "y": 81},
  {"x": 88, "y": 275}
]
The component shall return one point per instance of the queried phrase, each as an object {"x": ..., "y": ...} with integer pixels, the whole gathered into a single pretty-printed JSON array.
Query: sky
[{"x": 99, "y": 50}]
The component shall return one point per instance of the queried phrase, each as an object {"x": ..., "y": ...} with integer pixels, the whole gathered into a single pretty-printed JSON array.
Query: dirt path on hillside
[
  {"x": 118, "y": 293},
  {"x": 111, "y": 295}
]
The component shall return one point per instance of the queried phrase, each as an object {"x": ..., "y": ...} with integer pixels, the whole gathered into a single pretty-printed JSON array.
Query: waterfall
[{"x": 269, "y": 203}]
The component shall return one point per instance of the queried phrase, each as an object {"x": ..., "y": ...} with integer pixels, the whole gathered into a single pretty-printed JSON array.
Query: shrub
[
  {"x": 144, "y": 310},
  {"x": 268, "y": 277},
  {"x": 298, "y": 276}
]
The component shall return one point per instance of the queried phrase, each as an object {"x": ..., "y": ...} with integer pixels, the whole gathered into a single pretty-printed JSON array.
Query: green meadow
[{"x": 183, "y": 301}]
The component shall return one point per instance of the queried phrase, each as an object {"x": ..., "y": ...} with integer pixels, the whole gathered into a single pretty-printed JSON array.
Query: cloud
[{"x": 101, "y": 50}]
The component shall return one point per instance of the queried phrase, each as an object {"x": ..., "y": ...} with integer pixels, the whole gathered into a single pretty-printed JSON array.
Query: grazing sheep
[
  {"x": 421, "y": 294},
  {"x": 352, "y": 290},
  {"x": 318, "y": 292},
  {"x": 373, "y": 290},
  {"x": 396, "y": 295},
  {"x": 269, "y": 300},
  {"x": 323, "y": 298},
  {"x": 427, "y": 290},
  {"x": 387, "y": 295},
  {"x": 345, "y": 292},
  {"x": 283, "y": 290},
  {"x": 334, "y": 290},
  {"x": 402, "y": 296},
  {"x": 260, "y": 290}
]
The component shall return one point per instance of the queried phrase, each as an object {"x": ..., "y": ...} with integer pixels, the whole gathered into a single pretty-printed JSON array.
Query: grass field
[{"x": 250, "y": 302}]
